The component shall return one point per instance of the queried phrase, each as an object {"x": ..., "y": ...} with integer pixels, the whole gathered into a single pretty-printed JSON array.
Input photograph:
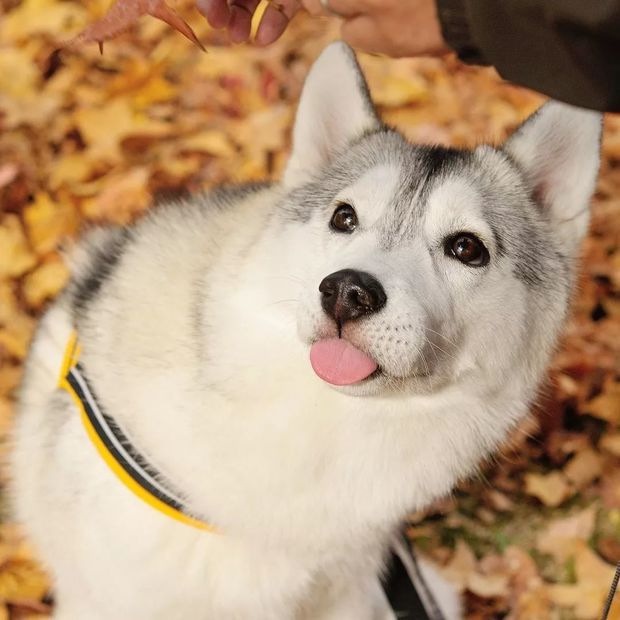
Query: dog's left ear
[
  {"x": 335, "y": 108},
  {"x": 558, "y": 149}
]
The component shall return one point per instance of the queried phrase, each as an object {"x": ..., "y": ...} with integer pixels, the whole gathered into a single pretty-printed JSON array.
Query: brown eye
[
  {"x": 468, "y": 249},
  {"x": 344, "y": 219}
]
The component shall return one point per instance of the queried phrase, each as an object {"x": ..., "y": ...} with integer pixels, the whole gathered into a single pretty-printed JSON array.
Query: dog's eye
[
  {"x": 344, "y": 219},
  {"x": 468, "y": 249}
]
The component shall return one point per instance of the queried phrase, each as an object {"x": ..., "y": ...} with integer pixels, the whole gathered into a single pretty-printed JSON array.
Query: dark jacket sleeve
[{"x": 567, "y": 49}]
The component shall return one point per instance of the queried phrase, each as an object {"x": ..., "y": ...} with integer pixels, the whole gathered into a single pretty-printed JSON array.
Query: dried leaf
[
  {"x": 125, "y": 13},
  {"x": 8, "y": 172},
  {"x": 611, "y": 443},
  {"x": 15, "y": 336},
  {"x": 583, "y": 468},
  {"x": 461, "y": 566},
  {"x": 15, "y": 256},
  {"x": 104, "y": 128},
  {"x": 560, "y": 536},
  {"x": 45, "y": 282},
  {"x": 121, "y": 198},
  {"x": 607, "y": 405},
  {"x": 22, "y": 579},
  {"x": 49, "y": 222},
  {"x": 551, "y": 489}
]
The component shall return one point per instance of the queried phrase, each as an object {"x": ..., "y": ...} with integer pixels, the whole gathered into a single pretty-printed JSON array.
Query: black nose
[{"x": 348, "y": 294}]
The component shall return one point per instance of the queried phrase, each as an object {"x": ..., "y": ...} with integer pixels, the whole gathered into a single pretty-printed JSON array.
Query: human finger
[
  {"x": 240, "y": 24},
  {"x": 216, "y": 12},
  {"x": 276, "y": 18},
  {"x": 361, "y": 32},
  {"x": 338, "y": 8}
]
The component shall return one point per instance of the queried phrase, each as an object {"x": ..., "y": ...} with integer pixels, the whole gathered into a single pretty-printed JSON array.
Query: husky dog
[{"x": 306, "y": 362}]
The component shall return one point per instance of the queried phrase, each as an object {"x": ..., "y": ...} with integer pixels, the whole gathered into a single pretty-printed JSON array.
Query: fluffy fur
[{"x": 195, "y": 327}]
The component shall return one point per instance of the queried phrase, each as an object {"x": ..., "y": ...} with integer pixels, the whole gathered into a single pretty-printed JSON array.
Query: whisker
[
  {"x": 436, "y": 346},
  {"x": 282, "y": 301},
  {"x": 441, "y": 336}
]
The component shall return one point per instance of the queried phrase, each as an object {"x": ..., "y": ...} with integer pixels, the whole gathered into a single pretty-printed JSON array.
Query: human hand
[
  {"x": 236, "y": 15},
  {"x": 393, "y": 27}
]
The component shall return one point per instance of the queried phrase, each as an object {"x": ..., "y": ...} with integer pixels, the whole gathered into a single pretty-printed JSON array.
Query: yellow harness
[{"x": 129, "y": 465}]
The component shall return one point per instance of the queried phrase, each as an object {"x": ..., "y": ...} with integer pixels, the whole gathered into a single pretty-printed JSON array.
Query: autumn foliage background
[{"x": 86, "y": 138}]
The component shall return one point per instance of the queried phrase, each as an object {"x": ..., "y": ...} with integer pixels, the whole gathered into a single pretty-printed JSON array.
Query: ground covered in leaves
[{"x": 88, "y": 138}]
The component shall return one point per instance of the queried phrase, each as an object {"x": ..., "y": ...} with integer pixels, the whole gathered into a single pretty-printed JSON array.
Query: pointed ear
[
  {"x": 335, "y": 108},
  {"x": 558, "y": 149}
]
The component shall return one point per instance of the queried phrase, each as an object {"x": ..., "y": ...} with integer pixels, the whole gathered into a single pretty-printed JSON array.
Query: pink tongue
[{"x": 338, "y": 362}]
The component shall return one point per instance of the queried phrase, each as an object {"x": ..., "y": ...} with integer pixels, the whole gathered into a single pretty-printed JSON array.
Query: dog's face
[{"x": 420, "y": 264}]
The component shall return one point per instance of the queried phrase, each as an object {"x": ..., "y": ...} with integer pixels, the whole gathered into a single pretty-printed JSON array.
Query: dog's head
[{"x": 422, "y": 265}]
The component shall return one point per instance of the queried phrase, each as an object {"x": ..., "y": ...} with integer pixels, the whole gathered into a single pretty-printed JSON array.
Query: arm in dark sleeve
[{"x": 567, "y": 49}]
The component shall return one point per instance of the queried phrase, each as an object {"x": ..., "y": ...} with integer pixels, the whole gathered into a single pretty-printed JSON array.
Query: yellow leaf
[
  {"x": 58, "y": 19},
  {"x": 586, "y": 600},
  {"x": 264, "y": 130},
  {"x": 10, "y": 377},
  {"x": 104, "y": 128},
  {"x": 69, "y": 170},
  {"x": 143, "y": 82},
  {"x": 155, "y": 90},
  {"x": 45, "y": 282},
  {"x": 15, "y": 256},
  {"x": 178, "y": 168},
  {"x": 395, "y": 88},
  {"x": 213, "y": 142},
  {"x": 606, "y": 406},
  {"x": 551, "y": 489},
  {"x": 123, "y": 196},
  {"x": 19, "y": 75},
  {"x": 8, "y": 303},
  {"x": 15, "y": 336},
  {"x": 48, "y": 222},
  {"x": 587, "y": 595},
  {"x": 22, "y": 580},
  {"x": 590, "y": 568}
]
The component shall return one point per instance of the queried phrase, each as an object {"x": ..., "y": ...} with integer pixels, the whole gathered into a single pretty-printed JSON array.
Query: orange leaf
[{"x": 125, "y": 13}]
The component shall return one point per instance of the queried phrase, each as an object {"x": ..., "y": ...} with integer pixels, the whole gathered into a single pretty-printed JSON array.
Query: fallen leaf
[
  {"x": 125, "y": 13},
  {"x": 69, "y": 170},
  {"x": 487, "y": 586},
  {"x": 610, "y": 490},
  {"x": 22, "y": 579},
  {"x": 104, "y": 128},
  {"x": 8, "y": 172},
  {"x": 583, "y": 468},
  {"x": 551, "y": 489},
  {"x": 121, "y": 198},
  {"x": 15, "y": 337},
  {"x": 214, "y": 142},
  {"x": 461, "y": 566},
  {"x": 16, "y": 258},
  {"x": 45, "y": 282},
  {"x": 36, "y": 17},
  {"x": 611, "y": 443},
  {"x": 49, "y": 222},
  {"x": 606, "y": 406}
]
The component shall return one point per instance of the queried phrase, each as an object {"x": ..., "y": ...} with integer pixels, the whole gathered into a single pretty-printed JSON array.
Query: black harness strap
[{"x": 405, "y": 587}]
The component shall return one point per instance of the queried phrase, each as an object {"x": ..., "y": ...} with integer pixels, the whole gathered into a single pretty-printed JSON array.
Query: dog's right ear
[{"x": 335, "y": 108}]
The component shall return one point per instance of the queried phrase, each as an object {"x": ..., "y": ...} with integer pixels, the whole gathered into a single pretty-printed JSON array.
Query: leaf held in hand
[{"x": 125, "y": 13}]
